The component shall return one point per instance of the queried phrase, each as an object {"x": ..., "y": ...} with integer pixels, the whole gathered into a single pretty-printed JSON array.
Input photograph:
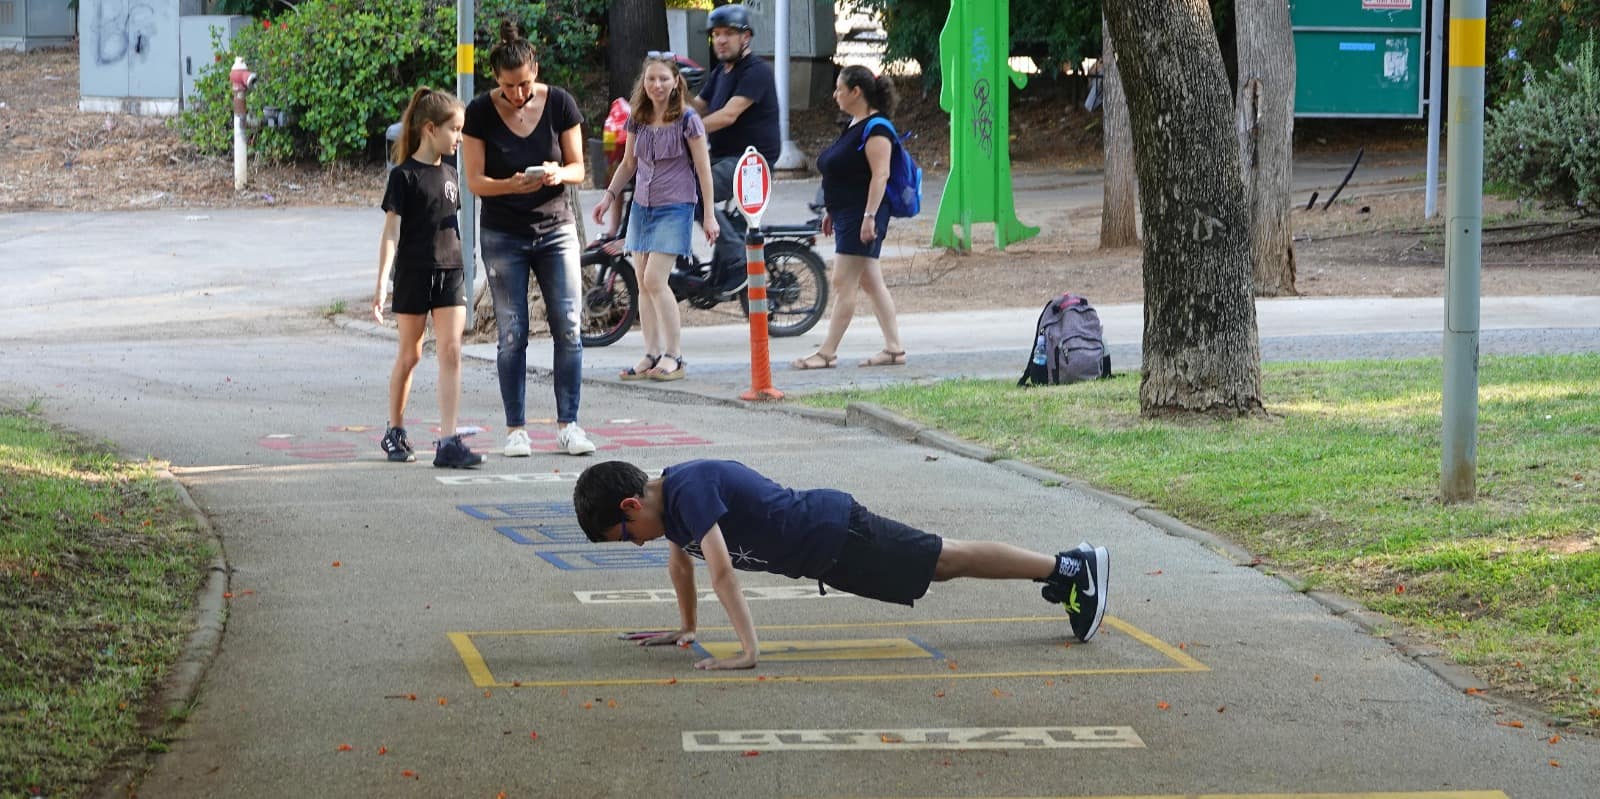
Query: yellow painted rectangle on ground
[
  {"x": 848, "y": 649},
  {"x": 1170, "y": 659}
]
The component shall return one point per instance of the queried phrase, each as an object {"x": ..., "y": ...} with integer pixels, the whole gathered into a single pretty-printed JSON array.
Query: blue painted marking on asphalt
[
  {"x": 605, "y": 558},
  {"x": 937, "y": 655},
  {"x": 540, "y": 534},
  {"x": 551, "y": 510},
  {"x": 511, "y": 533}
]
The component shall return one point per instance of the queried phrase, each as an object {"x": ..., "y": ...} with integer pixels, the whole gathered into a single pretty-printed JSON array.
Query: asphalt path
[{"x": 459, "y": 636}]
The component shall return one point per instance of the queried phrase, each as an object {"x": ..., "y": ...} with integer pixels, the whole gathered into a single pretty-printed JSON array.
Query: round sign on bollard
[{"x": 752, "y": 185}]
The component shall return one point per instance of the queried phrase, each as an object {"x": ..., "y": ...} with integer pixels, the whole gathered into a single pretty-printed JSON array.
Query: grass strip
[
  {"x": 1340, "y": 484},
  {"x": 98, "y": 570}
]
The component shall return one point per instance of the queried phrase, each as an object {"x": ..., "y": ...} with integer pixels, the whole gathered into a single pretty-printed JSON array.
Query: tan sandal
[
  {"x": 663, "y": 376},
  {"x": 815, "y": 360},
  {"x": 886, "y": 358},
  {"x": 635, "y": 373}
]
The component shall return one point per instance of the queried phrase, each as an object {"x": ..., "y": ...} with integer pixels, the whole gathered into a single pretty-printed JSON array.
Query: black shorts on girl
[
  {"x": 883, "y": 559},
  {"x": 847, "y": 232},
  {"x": 418, "y": 291}
]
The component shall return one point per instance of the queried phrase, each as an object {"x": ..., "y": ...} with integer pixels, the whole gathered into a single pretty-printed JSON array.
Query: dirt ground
[{"x": 53, "y": 157}]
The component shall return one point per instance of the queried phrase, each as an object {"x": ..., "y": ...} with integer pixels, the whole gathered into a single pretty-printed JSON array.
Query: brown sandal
[
  {"x": 886, "y": 358},
  {"x": 815, "y": 360}
]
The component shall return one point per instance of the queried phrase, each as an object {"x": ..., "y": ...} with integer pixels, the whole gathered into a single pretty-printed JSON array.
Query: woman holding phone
[{"x": 521, "y": 144}]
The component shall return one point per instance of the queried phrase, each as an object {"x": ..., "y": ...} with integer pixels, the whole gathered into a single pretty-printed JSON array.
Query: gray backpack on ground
[{"x": 1068, "y": 345}]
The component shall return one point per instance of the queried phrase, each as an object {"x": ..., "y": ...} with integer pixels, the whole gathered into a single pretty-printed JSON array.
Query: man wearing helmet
[
  {"x": 739, "y": 106},
  {"x": 739, "y": 101}
]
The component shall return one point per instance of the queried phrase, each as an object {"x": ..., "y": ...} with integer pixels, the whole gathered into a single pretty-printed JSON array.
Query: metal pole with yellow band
[
  {"x": 1463, "y": 251},
  {"x": 466, "y": 219}
]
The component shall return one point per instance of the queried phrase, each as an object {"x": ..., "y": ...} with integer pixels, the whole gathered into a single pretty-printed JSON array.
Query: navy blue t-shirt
[
  {"x": 767, "y": 527},
  {"x": 846, "y": 175},
  {"x": 758, "y": 126}
]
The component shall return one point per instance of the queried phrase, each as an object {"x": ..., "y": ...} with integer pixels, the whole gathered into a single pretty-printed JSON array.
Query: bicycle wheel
[
  {"x": 797, "y": 289},
  {"x": 610, "y": 299}
]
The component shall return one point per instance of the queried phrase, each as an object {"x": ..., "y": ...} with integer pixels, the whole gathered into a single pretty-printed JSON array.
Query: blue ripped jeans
[{"x": 509, "y": 259}]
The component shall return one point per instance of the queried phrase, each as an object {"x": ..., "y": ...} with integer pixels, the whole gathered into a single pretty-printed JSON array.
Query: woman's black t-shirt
[
  {"x": 845, "y": 171},
  {"x": 426, "y": 196},
  {"x": 505, "y": 154}
]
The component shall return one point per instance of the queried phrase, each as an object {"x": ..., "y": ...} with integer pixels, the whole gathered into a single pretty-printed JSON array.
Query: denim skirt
[{"x": 660, "y": 228}]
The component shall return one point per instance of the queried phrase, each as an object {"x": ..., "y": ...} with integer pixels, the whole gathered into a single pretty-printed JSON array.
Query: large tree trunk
[
  {"x": 1201, "y": 354},
  {"x": 1265, "y": 126},
  {"x": 634, "y": 27},
  {"x": 1118, "y": 211}
]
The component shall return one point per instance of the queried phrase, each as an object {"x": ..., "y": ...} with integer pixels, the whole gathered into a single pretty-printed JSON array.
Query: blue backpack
[{"x": 904, "y": 192}]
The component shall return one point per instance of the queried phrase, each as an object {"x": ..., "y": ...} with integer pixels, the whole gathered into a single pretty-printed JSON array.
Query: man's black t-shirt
[
  {"x": 846, "y": 175},
  {"x": 758, "y": 125},
  {"x": 426, "y": 197},
  {"x": 505, "y": 154}
]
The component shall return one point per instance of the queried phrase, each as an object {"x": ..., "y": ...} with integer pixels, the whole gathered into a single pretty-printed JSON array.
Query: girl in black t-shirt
[
  {"x": 422, "y": 244},
  {"x": 523, "y": 145},
  {"x": 855, "y": 172}
]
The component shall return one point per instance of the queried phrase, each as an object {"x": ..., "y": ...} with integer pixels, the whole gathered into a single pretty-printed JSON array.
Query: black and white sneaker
[
  {"x": 397, "y": 446},
  {"x": 452, "y": 453},
  {"x": 1079, "y": 586}
]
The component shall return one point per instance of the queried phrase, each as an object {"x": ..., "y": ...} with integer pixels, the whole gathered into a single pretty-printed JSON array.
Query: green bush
[
  {"x": 1541, "y": 34},
  {"x": 1545, "y": 141},
  {"x": 344, "y": 69}
]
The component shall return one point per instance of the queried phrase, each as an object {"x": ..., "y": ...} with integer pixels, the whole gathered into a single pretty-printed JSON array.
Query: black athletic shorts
[
  {"x": 883, "y": 559},
  {"x": 418, "y": 291}
]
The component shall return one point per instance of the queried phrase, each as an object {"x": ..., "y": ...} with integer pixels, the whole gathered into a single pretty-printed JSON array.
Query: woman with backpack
[{"x": 855, "y": 172}]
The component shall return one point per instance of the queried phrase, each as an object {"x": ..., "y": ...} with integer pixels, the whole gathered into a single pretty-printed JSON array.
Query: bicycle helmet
[{"x": 729, "y": 16}]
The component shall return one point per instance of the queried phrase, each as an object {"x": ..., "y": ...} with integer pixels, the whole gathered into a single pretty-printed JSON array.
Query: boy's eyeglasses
[{"x": 664, "y": 55}]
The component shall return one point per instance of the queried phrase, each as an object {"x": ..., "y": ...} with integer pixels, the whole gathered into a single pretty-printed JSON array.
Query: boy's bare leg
[{"x": 990, "y": 560}]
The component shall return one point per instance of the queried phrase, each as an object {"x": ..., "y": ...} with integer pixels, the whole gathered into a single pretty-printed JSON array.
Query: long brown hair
[
  {"x": 426, "y": 107},
  {"x": 644, "y": 109}
]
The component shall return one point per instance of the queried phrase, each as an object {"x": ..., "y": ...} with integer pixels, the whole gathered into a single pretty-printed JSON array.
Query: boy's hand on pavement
[
  {"x": 740, "y": 661},
  {"x": 678, "y": 638}
]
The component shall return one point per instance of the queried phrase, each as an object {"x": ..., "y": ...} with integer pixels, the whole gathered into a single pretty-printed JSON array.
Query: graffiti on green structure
[{"x": 973, "y": 50}]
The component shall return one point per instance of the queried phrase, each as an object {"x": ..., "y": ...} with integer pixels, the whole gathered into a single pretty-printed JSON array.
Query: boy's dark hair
[{"x": 600, "y": 490}]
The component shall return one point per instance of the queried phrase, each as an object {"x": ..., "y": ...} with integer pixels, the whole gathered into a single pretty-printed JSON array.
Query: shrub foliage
[
  {"x": 1545, "y": 140},
  {"x": 344, "y": 69}
]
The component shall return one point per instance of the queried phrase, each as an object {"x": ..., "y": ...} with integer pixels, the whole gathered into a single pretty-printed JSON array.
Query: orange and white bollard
[{"x": 761, "y": 387}]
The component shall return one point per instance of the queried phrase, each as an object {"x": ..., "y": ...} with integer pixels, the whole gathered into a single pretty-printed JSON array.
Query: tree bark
[
  {"x": 1118, "y": 211},
  {"x": 1201, "y": 354},
  {"x": 1265, "y": 127},
  {"x": 634, "y": 27}
]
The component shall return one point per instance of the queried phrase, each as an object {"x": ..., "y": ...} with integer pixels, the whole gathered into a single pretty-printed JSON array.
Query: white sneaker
[
  {"x": 518, "y": 445},
  {"x": 572, "y": 439}
]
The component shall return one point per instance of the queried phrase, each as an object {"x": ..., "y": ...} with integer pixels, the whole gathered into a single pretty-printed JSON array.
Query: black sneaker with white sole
[
  {"x": 452, "y": 453},
  {"x": 397, "y": 446},
  {"x": 1078, "y": 585}
]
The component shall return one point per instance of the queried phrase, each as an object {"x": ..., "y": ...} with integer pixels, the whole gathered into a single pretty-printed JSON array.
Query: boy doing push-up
[{"x": 734, "y": 519}]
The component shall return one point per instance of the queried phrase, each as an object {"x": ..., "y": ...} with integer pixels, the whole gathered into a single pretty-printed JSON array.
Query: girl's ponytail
[{"x": 426, "y": 107}]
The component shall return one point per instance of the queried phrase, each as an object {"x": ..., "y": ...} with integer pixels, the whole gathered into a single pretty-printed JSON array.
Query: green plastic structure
[{"x": 973, "y": 49}]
